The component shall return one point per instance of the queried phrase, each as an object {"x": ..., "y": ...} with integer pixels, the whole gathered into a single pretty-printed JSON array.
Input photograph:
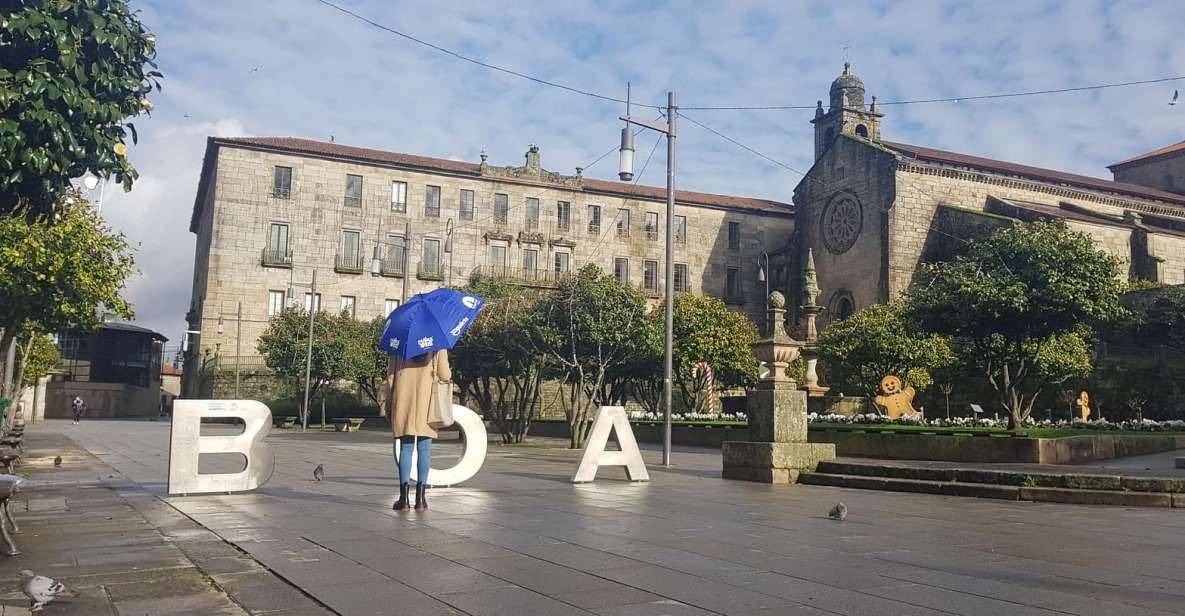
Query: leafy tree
[
  {"x": 363, "y": 363},
  {"x": 592, "y": 325},
  {"x": 705, "y": 330},
  {"x": 498, "y": 363},
  {"x": 35, "y": 357},
  {"x": 59, "y": 273},
  {"x": 1156, "y": 317},
  {"x": 1023, "y": 303},
  {"x": 877, "y": 341},
  {"x": 284, "y": 346},
  {"x": 71, "y": 74}
]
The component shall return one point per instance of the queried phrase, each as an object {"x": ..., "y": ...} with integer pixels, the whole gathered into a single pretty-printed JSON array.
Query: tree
[
  {"x": 284, "y": 346},
  {"x": 71, "y": 75},
  {"x": 592, "y": 325},
  {"x": 363, "y": 363},
  {"x": 59, "y": 274},
  {"x": 1023, "y": 303},
  {"x": 877, "y": 341},
  {"x": 705, "y": 331},
  {"x": 35, "y": 357},
  {"x": 498, "y": 363}
]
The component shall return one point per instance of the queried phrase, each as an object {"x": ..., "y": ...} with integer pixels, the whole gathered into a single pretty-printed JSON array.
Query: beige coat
[{"x": 410, "y": 385}]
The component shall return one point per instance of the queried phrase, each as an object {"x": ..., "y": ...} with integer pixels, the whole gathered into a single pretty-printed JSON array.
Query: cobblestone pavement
[{"x": 520, "y": 539}]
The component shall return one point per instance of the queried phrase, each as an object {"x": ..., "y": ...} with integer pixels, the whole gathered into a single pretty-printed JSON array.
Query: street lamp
[
  {"x": 314, "y": 306},
  {"x": 448, "y": 247},
  {"x": 238, "y": 315},
  {"x": 90, "y": 181},
  {"x": 763, "y": 271},
  {"x": 626, "y": 173}
]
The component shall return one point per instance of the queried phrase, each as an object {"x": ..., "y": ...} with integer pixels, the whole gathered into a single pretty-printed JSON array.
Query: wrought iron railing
[
  {"x": 276, "y": 257},
  {"x": 349, "y": 263}
]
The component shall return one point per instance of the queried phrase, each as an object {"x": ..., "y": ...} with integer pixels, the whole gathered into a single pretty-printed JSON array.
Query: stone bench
[
  {"x": 10, "y": 461},
  {"x": 13, "y": 441},
  {"x": 7, "y": 490},
  {"x": 284, "y": 422},
  {"x": 348, "y": 424}
]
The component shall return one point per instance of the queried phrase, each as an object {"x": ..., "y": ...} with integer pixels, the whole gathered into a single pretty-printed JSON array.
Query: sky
[{"x": 302, "y": 69}]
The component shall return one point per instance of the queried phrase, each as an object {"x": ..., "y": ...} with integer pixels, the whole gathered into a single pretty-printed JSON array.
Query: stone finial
[
  {"x": 873, "y": 107},
  {"x": 819, "y": 109},
  {"x": 846, "y": 66},
  {"x": 533, "y": 164},
  {"x": 777, "y": 300},
  {"x": 810, "y": 280},
  {"x": 483, "y": 156},
  {"x": 580, "y": 172}
]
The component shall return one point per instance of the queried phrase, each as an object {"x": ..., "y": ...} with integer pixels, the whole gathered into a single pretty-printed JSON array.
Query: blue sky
[{"x": 323, "y": 73}]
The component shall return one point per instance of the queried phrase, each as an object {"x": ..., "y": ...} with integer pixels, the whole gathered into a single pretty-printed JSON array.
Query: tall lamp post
[
  {"x": 448, "y": 247},
  {"x": 626, "y": 173},
  {"x": 763, "y": 272},
  {"x": 238, "y": 315},
  {"x": 314, "y": 307}
]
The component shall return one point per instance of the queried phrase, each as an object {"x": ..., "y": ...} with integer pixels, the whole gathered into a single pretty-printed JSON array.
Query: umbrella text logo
[
  {"x": 469, "y": 301},
  {"x": 456, "y": 331},
  {"x": 394, "y": 343},
  {"x": 425, "y": 342}
]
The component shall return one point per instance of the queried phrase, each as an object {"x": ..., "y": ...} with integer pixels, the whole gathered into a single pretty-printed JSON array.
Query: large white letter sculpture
[
  {"x": 186, "y": 445},
  {"x": 610, "y": 418},
  {"x": 474, "y": 433}
]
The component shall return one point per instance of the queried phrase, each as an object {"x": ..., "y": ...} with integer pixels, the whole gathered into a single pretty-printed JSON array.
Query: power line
[
  {"x": 737, "y": 143},
  {"x": 479, "y": 62},
  {"x": 954, "y": 99}
]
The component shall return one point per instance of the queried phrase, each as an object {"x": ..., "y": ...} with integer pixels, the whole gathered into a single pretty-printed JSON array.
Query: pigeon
[
  {"x": 319, "y": 472},
  {"x": 41, "y": 590},
  {"x": 256, "y": 69},
  {"x": 1176, "y": 95},
  {"x": 57, "y": 461},
  {"x": 838, "y": 512}
]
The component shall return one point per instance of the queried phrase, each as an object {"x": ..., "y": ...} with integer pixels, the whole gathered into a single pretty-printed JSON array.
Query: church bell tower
[{"x": 847, "y": 113}]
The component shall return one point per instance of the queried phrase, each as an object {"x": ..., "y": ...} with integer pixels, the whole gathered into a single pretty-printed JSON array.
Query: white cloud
[{"x": 324, "y": 73}]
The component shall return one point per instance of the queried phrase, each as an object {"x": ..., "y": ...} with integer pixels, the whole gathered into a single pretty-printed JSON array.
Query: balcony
[
  {"x": 391, "y": 267},
  {"x": 563, "y": 226},
  {"x": 427, "y": 270},
  {"x": 594, "y": 228},
  {"x": 527, "y": 277},
  {"x": 623, "y": 231},
  {"x": 353, "y": 201},
  {"x": 652, "y": 234},
  {"x": 652, "y": 292},
  {"x": 281, "y": 193},
  {"x": 349, "y": 264},
  {"x": 276, "y": 257}
]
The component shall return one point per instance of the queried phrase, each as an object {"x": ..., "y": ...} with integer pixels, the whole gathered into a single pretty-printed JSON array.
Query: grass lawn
[{"x": 1030, "y": 432}]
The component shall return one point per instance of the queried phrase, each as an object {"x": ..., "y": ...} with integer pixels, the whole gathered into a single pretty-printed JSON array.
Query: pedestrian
[
  {"x": 412, "y": 384},
  {"x": 78, "y": 406}
]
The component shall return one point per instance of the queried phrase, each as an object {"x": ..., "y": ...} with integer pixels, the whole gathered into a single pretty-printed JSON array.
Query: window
[
  {"x": 396, "y": 247},
  {"x": 734, "y": 236},
  {"x": 431, "y": 259},
  {"x": 353, "y": 190},
  {"x": 621, "y": 269},
  {"x": 732, "y": 284},
  {"x": 532, "y": 213},
  {"x": 282, "y": 182},
  {"x": 349, "y": 256},
  {"x": 388, "y": 306},
  {"x": 466, "y": 212},
  {"x": 311, "y": 305},
  {"x": 681, "y": 277},
  {"x": 347, "y": 305},
  {"x": 652, "y": 226},
  {"x": 398, "y": 196},
  {"x": 496, "y": 256},
  {"x": 862, "y": 130},
  {"x": 530, "y": 259},
  {"x": 844, "y": 308},
  {"x": 623, "y": 223},
  {"x": 681, "y": 229},
  {"x": 563, "y": 215},
  {"x": 275, "y": 302},
  {"x": 501, "y": 208},
  {"x": 650, "y": 275},
  {"x": 432, "y": 201},
  {"x": 594, "y": 219},
  {"x": 561, "y": 262},
  {"x": 277, "y": 239}
]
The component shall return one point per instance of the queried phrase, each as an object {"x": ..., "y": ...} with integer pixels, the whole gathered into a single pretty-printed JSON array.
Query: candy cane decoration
[{"x": 709, "y": 384}]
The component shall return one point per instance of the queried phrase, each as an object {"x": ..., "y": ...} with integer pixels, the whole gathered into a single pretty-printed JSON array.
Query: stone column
[
  {"x": 810, "y": 312},
  {"x": 777, "y": 415}
]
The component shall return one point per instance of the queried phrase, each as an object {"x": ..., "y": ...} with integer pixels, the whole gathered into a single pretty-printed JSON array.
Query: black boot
[
  {"x": 421, "y": 497},
  {"x": 402, "y": 504}
]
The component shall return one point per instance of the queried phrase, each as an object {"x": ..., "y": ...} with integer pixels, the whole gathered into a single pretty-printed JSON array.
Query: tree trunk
[{"x": 7, "y": 343}]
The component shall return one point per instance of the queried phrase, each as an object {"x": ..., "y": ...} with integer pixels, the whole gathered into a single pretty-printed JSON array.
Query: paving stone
[{"x": 510, "y": 601}]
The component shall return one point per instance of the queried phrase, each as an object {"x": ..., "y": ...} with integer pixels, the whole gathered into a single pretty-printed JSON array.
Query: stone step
[
  {"x": 1078, "y": 481},
  {"x": 988, "y": 490}
]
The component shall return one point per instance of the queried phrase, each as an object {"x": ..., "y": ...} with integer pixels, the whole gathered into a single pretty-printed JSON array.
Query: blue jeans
[{"x": 402, "y": 448}]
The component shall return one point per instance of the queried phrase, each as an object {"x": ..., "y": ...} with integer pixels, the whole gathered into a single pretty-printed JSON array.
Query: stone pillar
[
  {"x": 39, "y": 399},
  {"x": 777, "y": 415},
  {"x": 810, "y": 312}
]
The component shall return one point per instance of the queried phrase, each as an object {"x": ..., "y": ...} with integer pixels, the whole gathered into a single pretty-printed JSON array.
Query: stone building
[
  {"x": 270, "y": 211},
  {"x": 872, "y": 210}
]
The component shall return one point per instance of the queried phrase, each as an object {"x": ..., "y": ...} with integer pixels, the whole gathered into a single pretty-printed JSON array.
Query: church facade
[{"x": 871, "y": 210}]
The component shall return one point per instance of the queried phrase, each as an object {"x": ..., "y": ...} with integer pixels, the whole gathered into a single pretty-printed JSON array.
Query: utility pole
[
  {"x": 238, "y": 346},
  {"x": 406, "y": 251},
  {"x": 625, "y": 172}
]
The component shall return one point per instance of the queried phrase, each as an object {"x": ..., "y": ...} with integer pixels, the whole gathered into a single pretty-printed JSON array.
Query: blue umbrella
[{"x": 429, "y": 322}]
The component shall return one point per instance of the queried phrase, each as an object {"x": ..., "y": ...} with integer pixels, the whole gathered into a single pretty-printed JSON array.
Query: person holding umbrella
[{"x": 417, "y": 336}]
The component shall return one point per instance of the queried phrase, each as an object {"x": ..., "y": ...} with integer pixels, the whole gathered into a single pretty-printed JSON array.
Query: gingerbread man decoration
[
  {"x": 1083, "y": 403},
  {"x": 894, "y": 400}
]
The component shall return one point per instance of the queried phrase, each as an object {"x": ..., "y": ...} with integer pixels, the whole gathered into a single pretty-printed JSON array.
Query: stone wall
[
  {"x": 1161, "y": 173},
  {"x": 234, "y": 229}
]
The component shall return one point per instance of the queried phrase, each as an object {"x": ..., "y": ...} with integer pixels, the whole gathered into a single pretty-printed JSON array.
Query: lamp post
[
  {"x": 90, "y": 181},
  {"x": 238, "y": 315},
  {"x": 626, "y": 173},
  {"x": 763, "y": 272},
  {"x": 314, "y": 307},
  {"x": 448, "y": 247}
]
